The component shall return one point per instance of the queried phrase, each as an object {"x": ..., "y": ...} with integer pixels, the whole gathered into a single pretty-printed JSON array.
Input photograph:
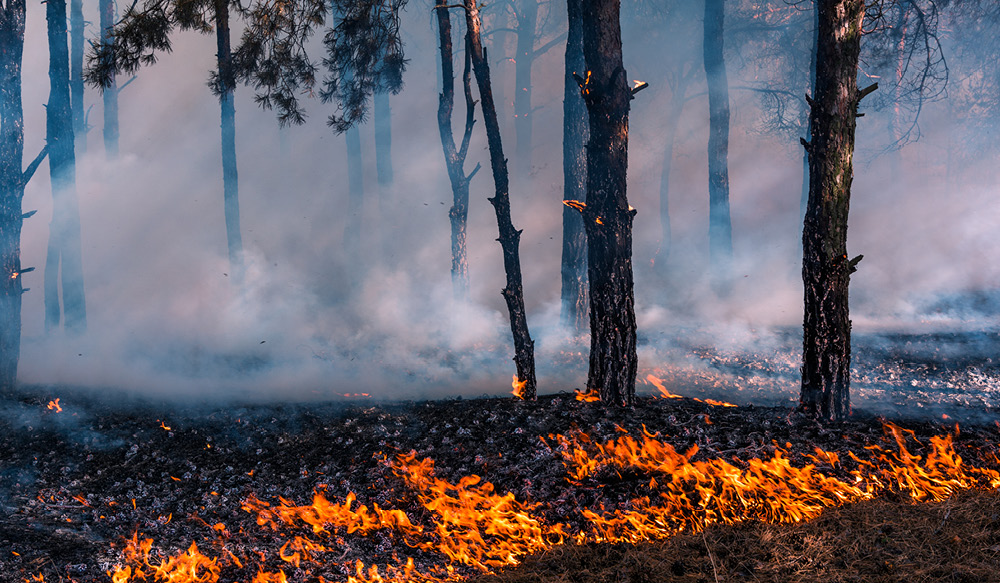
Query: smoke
[{"x": 310, "y": 322}]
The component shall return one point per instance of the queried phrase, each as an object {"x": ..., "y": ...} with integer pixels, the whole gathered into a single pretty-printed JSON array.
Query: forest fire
[
  {"x": 54, "y": 406},
  {"x": 518, "y": 387},
  {"x": 443, "y": 530}
]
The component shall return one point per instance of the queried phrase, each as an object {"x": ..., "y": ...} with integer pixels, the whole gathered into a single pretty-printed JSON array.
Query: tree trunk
[
  {"x": 12, "y": 17},
  {"x": 720, "y": 228},
  {"x": 230, "y": 176},
  {"x": 574, "y": 243},
  {"x": 808, "y": 125},
  {"x": 110, "y": 95},
  {"x": 64, "y": 257},
  {"x": 355, "y": 200},
  {"x": 455, "y": 157},
  {"x": 527, "y": 21},
  {"x": 608, "y": 216},
  {"x": 826, "y": 270},
  {"x": 384, "y": 175},
  {"x": 76, "y": 74},
  {"x": 513, "y": 293},
  {"x": 677, "y": 101}
]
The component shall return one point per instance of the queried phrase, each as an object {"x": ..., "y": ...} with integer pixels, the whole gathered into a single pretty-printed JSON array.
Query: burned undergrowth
[{"x": 243, "y": 483}]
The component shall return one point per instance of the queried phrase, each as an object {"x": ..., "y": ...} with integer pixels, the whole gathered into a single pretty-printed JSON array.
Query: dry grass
[{"x": 889, "y": 539}]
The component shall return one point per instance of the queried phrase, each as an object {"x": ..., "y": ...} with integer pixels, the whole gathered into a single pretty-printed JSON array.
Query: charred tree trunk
[
  {"x": 76, "y": 74},
  {"x": 454, "y": 158},
  {"x": 513, "y": 293},
  {"x": 720, "y": 227},
  {"x": 12, "y": 17},
  {"x": 826, "y": 270},
  {"x": 64, "y": 257},
  {"x": 575, "y": 132},
  {"x": 527, "y": 22},
  {"x": 110, "y": 95},
  {"x": 230, "y": 176},
  {"x": 608, "y": 216}
]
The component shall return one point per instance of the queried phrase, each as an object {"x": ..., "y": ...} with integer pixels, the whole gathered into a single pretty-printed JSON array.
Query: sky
[{"x": 165, "y": 319}]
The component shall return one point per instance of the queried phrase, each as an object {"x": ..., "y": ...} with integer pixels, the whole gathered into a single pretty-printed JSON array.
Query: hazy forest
[{"x": 343, "y": 242}]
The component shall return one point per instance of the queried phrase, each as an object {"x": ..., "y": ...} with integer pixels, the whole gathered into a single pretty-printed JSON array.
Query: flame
[
  {"x": 518, "y": 387},
  {"x": 589, "y": 397},
  {"x": 14, "y": 275},
  {"x": 656, "y": 382},
  {"x": 575, "y": 204},
  {"x": 465, "y": 526},
  {"x": 694, "y": 494},
  {"x": 164, "y": 425},
  {"x": 54, "y": 406}
]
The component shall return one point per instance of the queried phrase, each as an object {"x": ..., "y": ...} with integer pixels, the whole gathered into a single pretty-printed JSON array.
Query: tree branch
[{"x": 30, "y": 170}]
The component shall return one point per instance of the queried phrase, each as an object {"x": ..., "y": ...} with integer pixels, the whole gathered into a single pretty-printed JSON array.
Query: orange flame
[
  {"x": 656, "y": 382},
  {"x": 54, "y": 406},
  {"x": 590, "y": 396},
  {"x": 518, "y": 387},
  {"x": 575, "y": 204}
]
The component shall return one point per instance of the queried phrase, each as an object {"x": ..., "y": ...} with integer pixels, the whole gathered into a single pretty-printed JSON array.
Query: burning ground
[{"x": 449, "y": 490}]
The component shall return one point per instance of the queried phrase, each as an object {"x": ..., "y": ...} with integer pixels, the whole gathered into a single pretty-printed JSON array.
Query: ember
[{"x": 54, "y": 406}]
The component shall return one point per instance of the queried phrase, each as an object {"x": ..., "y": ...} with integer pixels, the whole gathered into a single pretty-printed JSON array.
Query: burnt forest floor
[{"x": 76, "y": 483}]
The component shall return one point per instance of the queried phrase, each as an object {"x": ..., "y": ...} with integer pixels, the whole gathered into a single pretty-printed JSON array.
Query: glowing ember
[
  {"x": 590, "y": 396},
  {"x": 164, "y": 425},
  {"x": 54, "y": 406},
  {"x": 518, "y": 387},
  {"x": 575, "y": 204}
]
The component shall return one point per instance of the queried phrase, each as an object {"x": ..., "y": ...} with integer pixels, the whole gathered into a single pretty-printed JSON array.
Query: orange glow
[
  {"x": 164, "y": 425},
  {"x": 187, "y": 567},
  {"x": 663, "y": 390},
  {"x": 54, "y": 406},
  {"x": 575, "y": 204},
  {"x": 588, "y": 397},
  {"x": 518, "y": 387}
]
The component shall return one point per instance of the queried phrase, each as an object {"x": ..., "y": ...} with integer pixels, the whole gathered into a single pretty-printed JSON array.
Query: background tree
[
  {"x": 720, "y": 226},
  {"x": 607, "y": 215},
  {"x": 513, "y": 293},
  {"x": 12, "y": 183},
  {"x": 574, "y": 307},
  {"x": 110, "y": 91},
  {"x": 455, "y": 157},
  {"x": 63, "y": 261},
  {"x": 76, "y": 28}
]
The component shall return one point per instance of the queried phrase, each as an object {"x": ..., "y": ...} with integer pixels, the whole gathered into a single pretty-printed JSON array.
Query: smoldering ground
[{"x": 311, "y": 322}]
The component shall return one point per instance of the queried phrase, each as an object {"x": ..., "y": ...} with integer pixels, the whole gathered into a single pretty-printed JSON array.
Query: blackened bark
[
  {"x": 513, "y": 293},
  {"x": 64, "y": 257},
  {"x": 527, "y": 21},
  {"x": 608, "y": 216},
  {"x": 455, "y": 157},
  {"x": 230, "y": 175},
  {"x": 76, "y": 73},
  {"x": 720, "y": 229},
  {"x": 12, "y": 17},
  {"x": 110, "y": 95},
  {"x": 826, "y": 270},
  {"x": 574, "y": 296}
]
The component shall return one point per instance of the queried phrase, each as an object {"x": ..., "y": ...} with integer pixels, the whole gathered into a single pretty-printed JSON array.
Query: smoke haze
[{"x": 165, "y": 319}]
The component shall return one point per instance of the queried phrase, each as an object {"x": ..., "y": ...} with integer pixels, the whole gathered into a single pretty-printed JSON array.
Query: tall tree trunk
[
  {"x": 608, "y": 216},
  {"x": 513, "y": 293},
  {"x": 383, "y": 144},
  {"x": 575, "y": 132},
  {"x": 720, "y": 228},
  {"x": 230, "y": 176},
  {"x": 826, "y": 271},
  {"x": 110, "y": 95},
  {"x": 12, "y": 17},
  {"x": 677, "y": 101},
  {"x": 527, "y": 21},
  {"x": 895, "y": 117},
  {"x": 384, "y": 176},
  {"x": 76, "y": 74},
  {"x": 455, "y": 157},
  {"x": 64, "y": 257},
  {"x": 808, "y": 124},
  {"x": 355, "y": 200}
]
